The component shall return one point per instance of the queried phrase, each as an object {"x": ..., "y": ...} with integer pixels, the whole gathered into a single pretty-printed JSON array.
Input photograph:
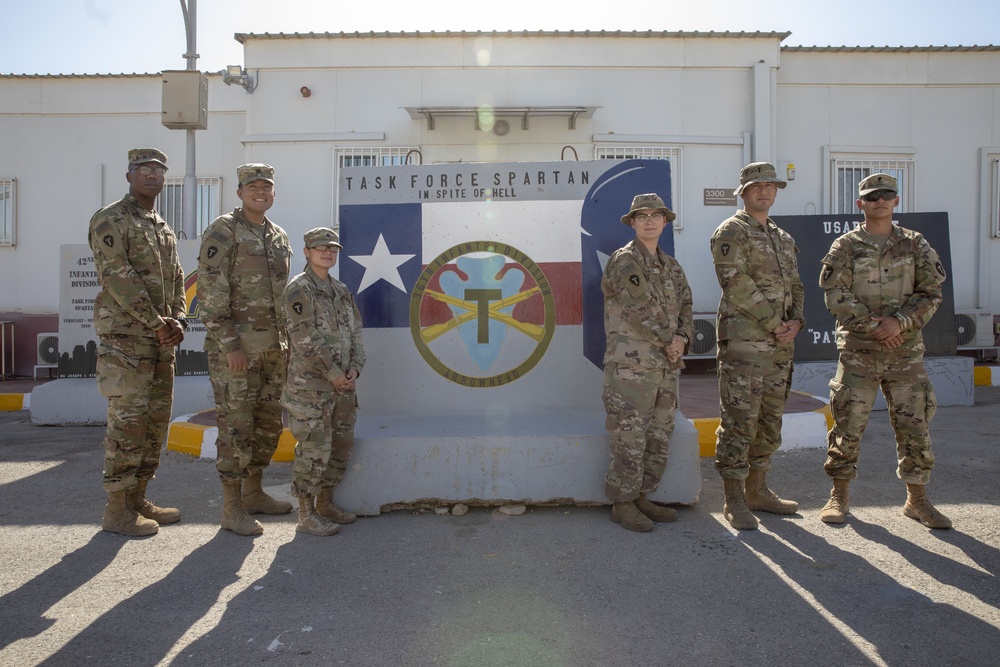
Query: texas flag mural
[{"x": 482, "y": 263}]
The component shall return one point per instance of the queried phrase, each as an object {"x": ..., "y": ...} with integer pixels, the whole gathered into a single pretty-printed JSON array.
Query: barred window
[
  {"x": 365, "y": 156},
  {"x": 170, "y": 203},
  {"x": 848, "y": 172},
  {"x": 372, "y": 156},
  {"x": 8, "y": 209},
  {"x": 651, "y": 152}
]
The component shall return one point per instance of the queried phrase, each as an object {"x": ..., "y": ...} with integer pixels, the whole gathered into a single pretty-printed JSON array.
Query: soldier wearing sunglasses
[
  {"x": 883, "y": 284},
  {"x": 139, "y": 318}
]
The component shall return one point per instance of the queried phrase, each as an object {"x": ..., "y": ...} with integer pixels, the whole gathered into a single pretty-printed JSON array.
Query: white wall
[
  {"x": 66, "y": 140},
  {"x": 942, "y": 104}
]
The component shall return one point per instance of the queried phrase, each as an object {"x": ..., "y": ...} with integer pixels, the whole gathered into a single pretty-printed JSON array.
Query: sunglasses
[
  {"x": 884, "y": 195},
  {"x": 147, "y": 170}
]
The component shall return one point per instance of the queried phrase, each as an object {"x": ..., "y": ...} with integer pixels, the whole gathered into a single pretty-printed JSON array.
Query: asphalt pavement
[{"x": 556, "y": 586}]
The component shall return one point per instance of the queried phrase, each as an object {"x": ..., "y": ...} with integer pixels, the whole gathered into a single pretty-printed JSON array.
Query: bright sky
[{"x": 116, "y": 36}]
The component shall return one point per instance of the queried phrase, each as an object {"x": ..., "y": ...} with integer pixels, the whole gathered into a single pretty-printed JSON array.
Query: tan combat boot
[
  {"x": 326, "y": 509},
  {"x": 835, "y": 510},
  {"x": 234, "y": 518},
  {"x": 629, "y": 516},
  {"x": 763, "y": 499},
  {"x": 311, "y": 522},
  {"x": 146, "y": 508},
  {"x": 919, "y": 507},
  {"x": 255, "y": 501},
  {"x": 657, "y": 513},
  {"x": 734, "y": 508},
  {"x": 120, "y": 517}
]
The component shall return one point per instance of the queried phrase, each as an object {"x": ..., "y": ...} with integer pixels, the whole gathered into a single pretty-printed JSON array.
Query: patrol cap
[
  {"x": 651, "y": 200},
  {"x": 322, "y": 236},
  {"x": 137, "y": 156},
  {"x": 758, "y": 172},
  {"x": 255, "y": 171},
  {"x": 877, "y": 182}
]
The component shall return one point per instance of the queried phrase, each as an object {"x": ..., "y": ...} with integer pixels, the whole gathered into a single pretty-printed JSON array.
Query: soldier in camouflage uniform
[
  {"x": 648, "y": 324},
  {"x": 759, "y": 315},
  {"x": 138, "y": 315},
  {"x": 242, "y": 271},
  {"x": 324, "y": 331},
  {"x": 883, "y": 284}
]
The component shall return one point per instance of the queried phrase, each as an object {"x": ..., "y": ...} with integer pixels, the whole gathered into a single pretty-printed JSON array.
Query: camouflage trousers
[
  {"x": 754, "y": 381},
  {"x": 640, "y": 405},
  {"x": 136, "y": 375},
  {"x": 323, "y": 425},
  {"x": 910, "y": 397},
  {"x": 248, "y": 411}
]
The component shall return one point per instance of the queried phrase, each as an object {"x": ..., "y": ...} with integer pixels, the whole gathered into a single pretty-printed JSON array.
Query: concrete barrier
[
  {"x": 78, "y": 400},
  {"x": 952, "y": 378}
]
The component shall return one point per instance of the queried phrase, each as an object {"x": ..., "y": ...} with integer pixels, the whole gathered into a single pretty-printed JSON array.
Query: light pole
[{"x": 189, "y": 210}]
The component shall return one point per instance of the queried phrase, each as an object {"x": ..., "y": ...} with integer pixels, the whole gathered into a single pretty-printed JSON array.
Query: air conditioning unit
[
  {"x": 704, "y": 344},
  {"x": 48, "y": 349},
  {"x": 974, "y": 329}
]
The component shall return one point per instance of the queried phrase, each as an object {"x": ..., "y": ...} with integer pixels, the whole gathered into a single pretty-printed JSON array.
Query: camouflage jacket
[
  {"x": 647, "y": 301},
  {"x": 758, "y": 271},
  {"x": 862, "y": 281},
  {"x": 135, "y": 254},
  {"x": 324, "y": 331},
  {"x": 241, "y": 277}
]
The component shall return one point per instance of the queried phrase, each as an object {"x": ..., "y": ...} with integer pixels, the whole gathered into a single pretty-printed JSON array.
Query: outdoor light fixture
[{"x": 236, "y": 74}]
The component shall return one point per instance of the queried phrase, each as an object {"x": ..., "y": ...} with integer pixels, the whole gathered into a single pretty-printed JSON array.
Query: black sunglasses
[{"x": 885, "y": 195}]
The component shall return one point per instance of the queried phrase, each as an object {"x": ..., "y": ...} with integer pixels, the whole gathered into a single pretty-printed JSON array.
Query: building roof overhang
[
  {"x": 479, "y": 112},
  {"x": 244, "y": 37}
]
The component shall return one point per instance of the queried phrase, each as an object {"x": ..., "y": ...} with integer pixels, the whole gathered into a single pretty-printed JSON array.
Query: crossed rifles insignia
[{"x": 493, "y": 312}]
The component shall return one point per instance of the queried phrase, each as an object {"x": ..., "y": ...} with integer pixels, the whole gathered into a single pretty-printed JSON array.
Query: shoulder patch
[
  {"x": 214, "y": 247},
  {"x": 298, "y": 305},
  {"x": 831, "y": 264},
  {"x": 106, "y": 238},
  {"x": 633, "y": 278},
  {"x": 293, "y": 291},
  {"x": 628, "y": 267},
  {"x": 218, "y": 236},
  {"x": 103, "y": 226},
  {"x": 724, "y": 249}
]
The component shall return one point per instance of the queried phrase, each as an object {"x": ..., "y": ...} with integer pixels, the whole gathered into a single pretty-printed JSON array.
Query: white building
[{"x": 708, "y": 102}]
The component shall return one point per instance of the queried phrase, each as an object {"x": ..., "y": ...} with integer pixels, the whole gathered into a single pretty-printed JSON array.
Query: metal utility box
[{"x": 185, "y": 100}]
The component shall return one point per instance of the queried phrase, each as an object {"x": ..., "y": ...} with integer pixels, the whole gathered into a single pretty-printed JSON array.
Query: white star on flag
[{"x": 381, "y": 265}]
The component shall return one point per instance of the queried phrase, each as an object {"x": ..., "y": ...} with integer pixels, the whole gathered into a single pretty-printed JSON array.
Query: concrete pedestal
[{"x": 70, "y": 401}]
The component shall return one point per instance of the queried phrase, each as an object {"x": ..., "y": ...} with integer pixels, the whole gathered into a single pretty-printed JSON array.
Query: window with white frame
[
  {"x": 366, "y": 156},
  {"x": 170, "y": 204},
  {"x": 372, "y": 156},
  {"x": 849, "y": 171},
  {"x": 8, "y": 209},
  {"x": 650, "y": 152}
]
